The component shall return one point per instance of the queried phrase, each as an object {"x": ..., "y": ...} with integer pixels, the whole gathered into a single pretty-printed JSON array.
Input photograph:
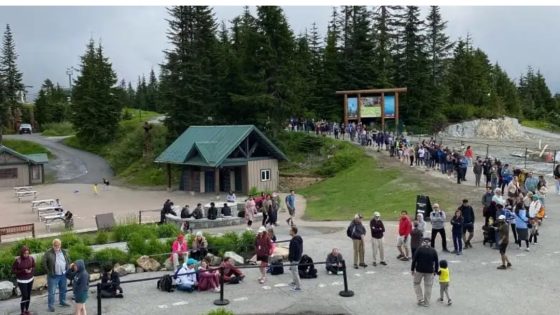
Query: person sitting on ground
[
  {"x": 197, "y": 212},
  {"x": 232, "y": 274},
  {"x": 199, "y": 247},
  {"x": 231, "y": 197},
  {"x": 185, "y": 212},
  {"x": 179, "y": 249},
  {"x": 334, "y": 262},
  {"x": 186, "y": 279},
  {"x": 212, "y": 212},
  {"x": 226, "y": 210},
  {"x": 208, "y": 279},
  {"x": 111, "y": 284}
]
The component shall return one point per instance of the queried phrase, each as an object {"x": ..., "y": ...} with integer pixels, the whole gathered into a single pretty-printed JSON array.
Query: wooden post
[
  {"x": 345, "y": 110},
  {"x": 383, "y": 112},
  {"x": 359, "y": 108},
  {"x": 168, "y": 177},
  {"x": 397, "y": 112}
]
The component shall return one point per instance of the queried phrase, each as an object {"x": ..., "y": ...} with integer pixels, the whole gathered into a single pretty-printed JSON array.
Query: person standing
[
  {"x": 23, "y": 268},
  {"x": 503, "y": 240},
  {"x": 457, "y": 232},
  {"x": 250, "y": 210},
  {"x": 437, "y": 218},
  {"x": 425, "y": 266},
  {"x": 80, "y": 285},
  {"x": 521, "y": 224},
  {"x": 477, "y": 170},
  {"x": 377, "y": 230},
  {"x": 264, "y": 248},
  {"x": 405, "y": 228},
  {"x": 444, "y": 281},
  {"x": 291, "y": 205},
  {"x": 487, "y": 197},
  {"x": 557, "y": 178},
  {"x": 56, "y": 263},
  {"x": 357, "y": 232},
  {"x": 468, "y": 222},
  {"x": 295, "y": 252}
]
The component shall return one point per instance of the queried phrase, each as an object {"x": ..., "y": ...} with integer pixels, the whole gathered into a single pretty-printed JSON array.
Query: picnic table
[
  {"x": 22, "y": 188},
  {"x": 26, "y": 193},
  {"x": 52, "y": 219},
  {"x": 45, "y": 211},
  {"x": 45, "y": 202}
]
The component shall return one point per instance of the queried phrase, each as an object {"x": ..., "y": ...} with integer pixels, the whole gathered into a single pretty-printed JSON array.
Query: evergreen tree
[
  {"x": 9, "y": 73},
  {"x": 331, "y": 80},
  {"x": 141, "y": 99},
  {"x": 52, "y": 104},
  {"x": 130, "y": 96},
  {"x": 95, "y": 109},
  {"x": 383, "y": 28},
  {"x": 152, "y": 91}
]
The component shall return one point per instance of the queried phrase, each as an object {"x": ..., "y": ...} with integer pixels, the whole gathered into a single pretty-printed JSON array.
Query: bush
[
  {"x": 35, "y": 246},
  {"x": 111, "y": 256},
  {"x": 102, "y": 237},
  {"x": 6, "y": 262},
  {"x": 136, "y": 244},
  {"x": 70, "y": 239},
  {"x": 122, "y": 232},
  {"x": 167, "y": 230},
  {"x": 220, "y": 311},
  {"x": 339, "y": 162},
  {"x": 58, "y": 129},
  {"x": 155, "y": 248},
  {"x": 80, "y": 251},
  {"x": 39, "y": 270}
]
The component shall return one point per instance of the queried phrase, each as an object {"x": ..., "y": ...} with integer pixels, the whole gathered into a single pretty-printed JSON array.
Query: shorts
[
  {"x": 291, "y": 211},
  {"x": 468, "y": 228},
  {"x": 503, "y": 248},
  {"x": 402, "y": 240},
  {"x": 262, "y": 259},
  {"x": 81, "y": 297}
]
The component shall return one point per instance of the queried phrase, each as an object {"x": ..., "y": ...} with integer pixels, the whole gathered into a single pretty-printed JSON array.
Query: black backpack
[
  {"x": 165, "y": 283},
  {"x": 350, "y": 230},
  {"x": 276, "y": 267},
  {"x": 306, "y": 268}
]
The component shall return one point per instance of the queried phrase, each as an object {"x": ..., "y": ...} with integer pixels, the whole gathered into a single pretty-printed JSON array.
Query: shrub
[
  {"x": 58, "y": 129},
  {"x": 253, "y": 191},
  {"x": 167, "y": 230},
  {"x": 102, "y": 237},
  {"x": 136, "y": 244},
  {"x": 122, "y": 232},
  {"x": 339, "y": 162},
  {"x": 6, "y": 262},
  {"x": 155, "y": 248},
  {"x": 220, "y": 311},
  {"x": 111, "y": 255},
  {"x": 79, "y": 251},
  {"x": 34, "y": 245},
  {"x": 246, "y": 242},
  {"x": 39, "y": 270},
  {"x": 70, "y": 239}
]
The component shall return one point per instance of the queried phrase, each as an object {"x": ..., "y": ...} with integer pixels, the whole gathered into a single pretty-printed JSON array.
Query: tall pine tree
[{"x": 9, "y": 73}]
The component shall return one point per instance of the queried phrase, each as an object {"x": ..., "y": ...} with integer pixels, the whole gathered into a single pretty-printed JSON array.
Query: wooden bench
[
  {"x": 22, "y": 189},
  {"x": 17, "y": 229},
  {"x": 28, "y": 193},
  {"x": 45, "y": 202}
]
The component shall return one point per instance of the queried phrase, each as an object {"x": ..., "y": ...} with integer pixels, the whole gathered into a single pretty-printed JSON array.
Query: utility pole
[{"x": 69, "y": 72}]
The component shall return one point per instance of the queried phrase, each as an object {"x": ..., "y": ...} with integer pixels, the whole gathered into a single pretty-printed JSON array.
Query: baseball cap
[
  {"x": 376, "y": 214},
  {"x": 502, "y": 217}
]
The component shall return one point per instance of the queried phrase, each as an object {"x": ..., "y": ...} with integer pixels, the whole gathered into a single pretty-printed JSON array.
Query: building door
[
  {"x": 209, "y": 181},
  {"x": 238, "y": 179}
]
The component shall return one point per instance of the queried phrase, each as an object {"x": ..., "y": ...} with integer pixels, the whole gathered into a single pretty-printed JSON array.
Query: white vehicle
[{"x": 25, "y": 128}]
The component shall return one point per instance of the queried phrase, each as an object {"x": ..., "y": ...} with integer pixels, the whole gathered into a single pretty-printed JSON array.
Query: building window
[
  {"x": 265, "y": 175},
  {"x": 8, "y": 173}
]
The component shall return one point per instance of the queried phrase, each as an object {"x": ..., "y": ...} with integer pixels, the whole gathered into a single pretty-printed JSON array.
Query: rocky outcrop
[
  {"x": 39, "y": 282},
  {"x": 501, "y": 128},
  {"x": 124, "y": 269},
  {"x": 148, "y": 264},
  {"x": 235, "y": 257},
  {"x": 6, "y": 290}
]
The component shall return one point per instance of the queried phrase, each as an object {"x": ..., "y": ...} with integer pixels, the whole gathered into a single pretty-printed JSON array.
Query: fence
[
  {"x": 222, "y": 301},
  {"x": 140, "y": 212}
]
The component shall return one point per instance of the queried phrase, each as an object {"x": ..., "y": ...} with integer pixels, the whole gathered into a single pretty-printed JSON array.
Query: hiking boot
[
  {"x": 383, "y": 263},
  {"x": 502, "y": 267}
]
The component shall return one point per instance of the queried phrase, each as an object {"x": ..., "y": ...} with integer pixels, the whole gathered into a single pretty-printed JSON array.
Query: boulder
[
  {"x": 214, "y": 260},
  {"x": 39, "y": 282},
  {"x": 94, "y": 276},
  {"x": 6, "y": 290},
  {"x": 125, "y": 269},
  {"x": 281, "y": 252},
  {"x": 148, "y": 264},
  {"x": 139, "y": 270},
  {"x": 235, "y": 257}
]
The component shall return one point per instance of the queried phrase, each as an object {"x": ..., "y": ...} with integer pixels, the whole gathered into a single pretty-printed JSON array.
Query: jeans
[
  {"x": 428, "y": 281},
  {"x": 295, "y": 273},
  {"x": 458, "y": 240},
  {"x": 185, "y": 287},
  {"x": 558, "y": 186},
  {"x": 54, "y": 282}
]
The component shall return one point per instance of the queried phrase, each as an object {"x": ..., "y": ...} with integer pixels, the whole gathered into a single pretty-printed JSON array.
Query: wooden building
[
  {"x": 18, "y": 169},
  {"x": 223, "y": 158}
]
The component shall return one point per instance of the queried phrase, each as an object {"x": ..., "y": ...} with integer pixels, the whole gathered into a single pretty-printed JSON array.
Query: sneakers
[
  {"x": 356, "y": 267},
  {"x": 374, "y": 264},
  {"x": 383, "y": 263},
  {"x": 296, "y": 289},
  {"x": 446, "y": 250},
  {"x": 509, "y": 265},
  {"x": 51, "y": 309},
  {"x": 340, "y": 273},
  {"x": 400, "y": 256},
  {"x": 330, "y": 272},
  {"x": 449, "y": 302},
  {"x": 420, "y": 302},
  {"x": 502, "y": 267},
  {"x": 363, "y": 265},
  {"x": 64, "y": 304},
  {"x": 440, "y": 300},
  {"x": 527, "y": 249},
  {"x": 405, "y": 259}
]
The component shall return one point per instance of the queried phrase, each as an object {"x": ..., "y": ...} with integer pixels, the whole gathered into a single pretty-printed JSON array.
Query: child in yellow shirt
[{"x": 443, "y": 281}]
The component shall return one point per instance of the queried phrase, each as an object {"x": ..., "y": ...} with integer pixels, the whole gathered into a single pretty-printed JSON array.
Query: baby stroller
[{"x": 489, "y": 233}]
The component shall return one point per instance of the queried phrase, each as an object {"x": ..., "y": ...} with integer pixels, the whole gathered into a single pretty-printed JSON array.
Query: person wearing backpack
[
  {"x": 357, "y": 232},
  {"x": 294, "y": 256}
]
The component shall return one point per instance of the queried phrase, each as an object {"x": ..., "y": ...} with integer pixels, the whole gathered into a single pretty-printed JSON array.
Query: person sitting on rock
[
  {"x": 208, "y": 278},
  {"x": 167, "y": 209},
  {"x": 199, "y": 247},
  {"x": 197, "y": 212},
  {"x": 179, "y": 249},
  {"x": 185, "y": 212},
  {"x": 232, "y": 274},
  {"x": 226, "y": 210},
  {"x": 212, "y": 212},
  {"x": 186, "y": 278},
  {"x": 231, "y": 197},
  {"x": 334, "y": 262},
  {"x": 111, "y": 284}
]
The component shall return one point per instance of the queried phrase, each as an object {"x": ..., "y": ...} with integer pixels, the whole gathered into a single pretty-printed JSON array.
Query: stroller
[{"x": 489, "y": 233}]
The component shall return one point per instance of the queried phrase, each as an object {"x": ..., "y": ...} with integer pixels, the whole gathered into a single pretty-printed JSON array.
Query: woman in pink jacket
[{"x": 179, "y": 249}]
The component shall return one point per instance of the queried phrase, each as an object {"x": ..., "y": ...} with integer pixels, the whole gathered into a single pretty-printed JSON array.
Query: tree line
[{"x": 256, "y": 70}]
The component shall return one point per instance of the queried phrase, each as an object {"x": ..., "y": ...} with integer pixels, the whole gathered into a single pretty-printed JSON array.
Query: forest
[{"x": 256, "y": 70}]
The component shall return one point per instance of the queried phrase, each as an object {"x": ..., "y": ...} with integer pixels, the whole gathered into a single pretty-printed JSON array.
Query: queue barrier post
[
  {"x": 99, "y": 299},
  {"x": 221, "y": 301},
  {"x": 346, "y": 292}
]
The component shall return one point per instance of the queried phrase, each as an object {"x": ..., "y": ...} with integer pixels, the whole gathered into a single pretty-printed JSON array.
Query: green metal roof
[
  {"x": 39, "y": 158},
  {"x": 211, "y": 145}
]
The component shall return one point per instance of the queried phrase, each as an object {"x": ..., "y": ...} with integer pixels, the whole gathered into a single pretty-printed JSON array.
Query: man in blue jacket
[{"x": 294, "y": 256}]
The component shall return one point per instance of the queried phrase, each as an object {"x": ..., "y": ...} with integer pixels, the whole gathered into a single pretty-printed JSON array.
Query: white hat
[
  {"x": 198, "y": 233},
  {"x": 376, "y": 214},
  {"x": 502, "y": 217},
  {"x": 261, "y": 229}
]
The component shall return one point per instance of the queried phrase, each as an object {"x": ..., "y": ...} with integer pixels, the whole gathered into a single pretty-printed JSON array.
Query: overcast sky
[{"x": 51, "y": 39}]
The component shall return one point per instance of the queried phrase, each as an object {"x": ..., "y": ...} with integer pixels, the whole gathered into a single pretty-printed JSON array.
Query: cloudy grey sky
[{"x": 51, "y": 39}]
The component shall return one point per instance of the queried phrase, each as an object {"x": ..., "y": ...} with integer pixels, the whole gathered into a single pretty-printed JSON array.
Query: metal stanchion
[
  {"x": 221, "y": 301},
  {"x": 487, "y": 149},
  {"x": 99, "y": 299},
  {"x": 525, "y": 158},
  {"x": 346, "y": 292}
]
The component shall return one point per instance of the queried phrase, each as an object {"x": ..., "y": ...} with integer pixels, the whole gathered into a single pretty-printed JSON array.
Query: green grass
[
  {"x": 539, "y": 124},
  {"x": 26, "y": 147},
  {"x": 364, "y": 188},
  {"x": 58, "y": 129},
  {"x": 137, "y": 118}
]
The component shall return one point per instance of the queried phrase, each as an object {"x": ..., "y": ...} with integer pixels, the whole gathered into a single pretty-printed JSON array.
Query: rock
[
  {"x": 125, "y": 269},
  {"x": 139, "y": 270},
  {"x": 281, "y": 252},
  {"x": 238, "y": 259},
  {"x": 168, "y": 264},
  {"x": 39, "y": 282},
  {"x": 6, "y": 290},
  {"x": 148, "y": 264},
  {"x": 163, "y": 269},
  {"x": 503, "y": 128},
  {"x": 214, "y": 260},
  {"x": 94, "y": 276},
  {"x": 17, "y": 291}
]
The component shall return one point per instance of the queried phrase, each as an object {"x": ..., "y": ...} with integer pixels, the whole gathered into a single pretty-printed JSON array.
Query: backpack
[
  {"x": 350, "y": 230},
  {"x": 165, "y": 283},
  {"x": 234, "y": 280},
  {"x": 276, "y": 267},
  {"x": 306, "y": 268}
]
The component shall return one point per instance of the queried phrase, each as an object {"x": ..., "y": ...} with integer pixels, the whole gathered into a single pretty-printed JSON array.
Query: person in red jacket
[
  {"x": 23, "y": 268},
  {"x": 405, "y": 227},
  {"x": 264, "y": 248}
]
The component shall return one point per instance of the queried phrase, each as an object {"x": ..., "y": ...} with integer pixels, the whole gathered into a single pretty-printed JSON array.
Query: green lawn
[
  {"x": 26, "y": 147},
  {"x": 539, "y": 124},
  {"x": 364, "y": 188}
]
